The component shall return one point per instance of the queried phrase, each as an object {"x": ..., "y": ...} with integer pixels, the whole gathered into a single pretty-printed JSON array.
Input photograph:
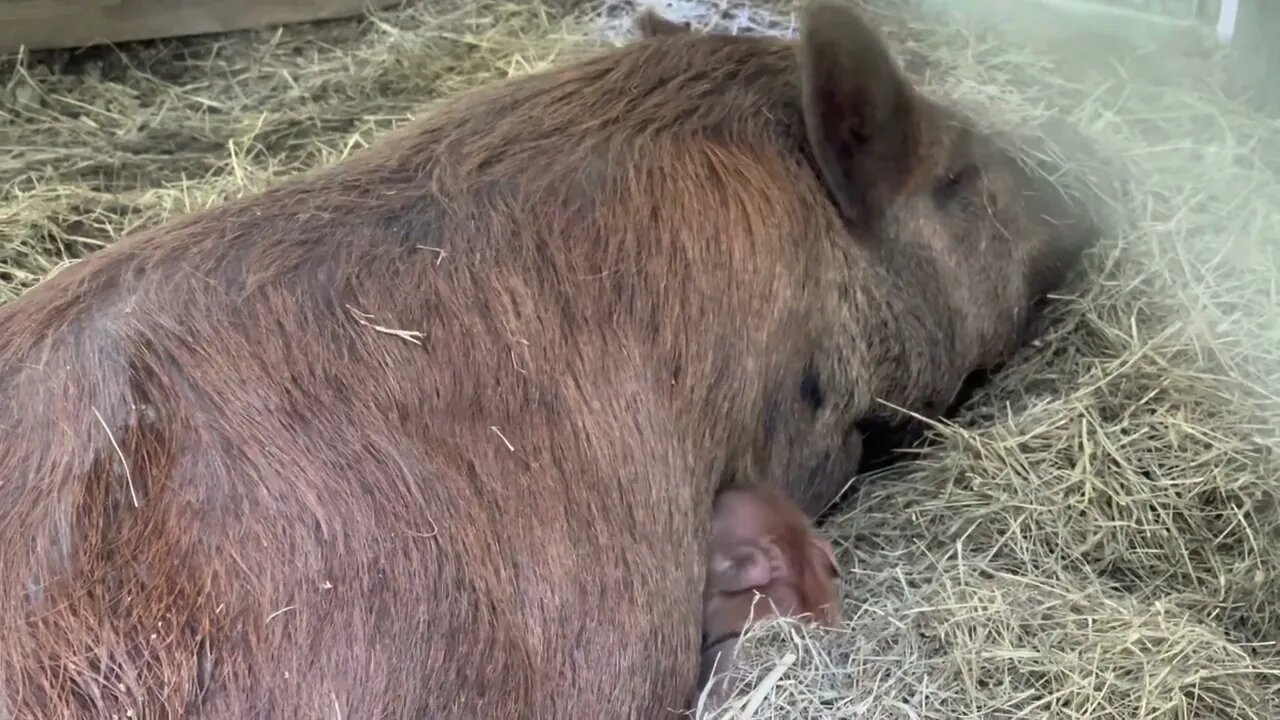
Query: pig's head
[{"x": 966, "y": 236}]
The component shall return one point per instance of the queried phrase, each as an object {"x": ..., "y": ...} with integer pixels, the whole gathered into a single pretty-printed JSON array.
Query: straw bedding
[{"x": 1095, "y": 536}]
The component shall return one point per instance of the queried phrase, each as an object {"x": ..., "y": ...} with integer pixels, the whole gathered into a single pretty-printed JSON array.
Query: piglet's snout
[{"x": 744, "y": 567}]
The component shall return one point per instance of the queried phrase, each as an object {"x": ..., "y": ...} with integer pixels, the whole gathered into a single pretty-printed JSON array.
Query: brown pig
[
  {"x": 436, "y": 431},
  {"x": 763, "y": 560}
]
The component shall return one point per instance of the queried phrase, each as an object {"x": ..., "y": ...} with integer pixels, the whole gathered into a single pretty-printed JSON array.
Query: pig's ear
[
  {"x": 650, "y": 23},
  {"x": 859, "y": 110}
]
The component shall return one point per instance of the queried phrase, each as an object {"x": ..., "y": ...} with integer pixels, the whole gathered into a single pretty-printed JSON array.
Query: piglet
[{"x": 764, "y": 560}]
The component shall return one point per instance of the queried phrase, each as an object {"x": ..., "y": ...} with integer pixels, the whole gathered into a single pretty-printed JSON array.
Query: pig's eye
[{"x": 954, "y": 184}]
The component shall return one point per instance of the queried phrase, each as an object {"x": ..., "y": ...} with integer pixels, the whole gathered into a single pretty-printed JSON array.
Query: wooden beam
[
  {"x": 1099, "y": 10},
  {"x": 1253, "y": 54},
  {"x": 45, "y": 24}
]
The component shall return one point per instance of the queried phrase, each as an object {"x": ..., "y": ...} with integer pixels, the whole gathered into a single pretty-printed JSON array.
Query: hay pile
[
  {"x": 1096, "y": 536},
  {"x": 96, "y": 143}
]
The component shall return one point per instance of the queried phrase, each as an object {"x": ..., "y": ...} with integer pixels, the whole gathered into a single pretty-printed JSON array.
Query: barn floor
[{"x": 1096, "y": 536}]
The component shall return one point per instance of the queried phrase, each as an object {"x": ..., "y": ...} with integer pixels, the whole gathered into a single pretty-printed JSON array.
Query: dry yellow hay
[{"x": 1096, "y": 536}]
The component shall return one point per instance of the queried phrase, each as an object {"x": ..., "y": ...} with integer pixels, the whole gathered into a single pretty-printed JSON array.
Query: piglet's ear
[
  {"x": 823, "y": 555},
  {"x": 859, "y": 110}
]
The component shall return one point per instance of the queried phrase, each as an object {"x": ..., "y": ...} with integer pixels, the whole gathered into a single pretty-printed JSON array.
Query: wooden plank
[
  {"x": 1102, "y": 11},
  {"x": 44, "y": 24},
  {"x": 1034, "y": 21},
  {"x": 1253, "y": 55}
]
